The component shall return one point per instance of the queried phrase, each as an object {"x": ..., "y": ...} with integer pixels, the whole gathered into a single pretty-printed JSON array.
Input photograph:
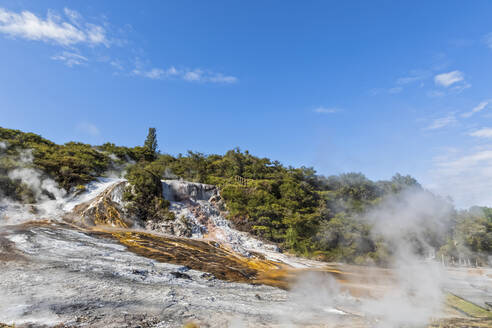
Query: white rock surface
[
  {"x": 71, "y": 277},
  {"x": 197, "y": 203}
]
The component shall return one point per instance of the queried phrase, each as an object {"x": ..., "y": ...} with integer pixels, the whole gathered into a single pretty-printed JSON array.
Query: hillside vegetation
[{"x": 305, "y": 213}]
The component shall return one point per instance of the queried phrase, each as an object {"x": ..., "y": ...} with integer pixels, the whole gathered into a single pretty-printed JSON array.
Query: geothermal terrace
[{"x": 81, "y": 263}]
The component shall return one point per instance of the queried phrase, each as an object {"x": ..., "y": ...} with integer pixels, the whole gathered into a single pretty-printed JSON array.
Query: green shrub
[
  {"x": 144, "y": 195},
  {"x": 303, "y": 212},
  {"x": 70, "y": 165}
]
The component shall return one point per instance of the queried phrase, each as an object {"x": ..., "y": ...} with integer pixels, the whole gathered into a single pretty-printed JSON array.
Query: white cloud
[
  {"x": 326, "y": 110},
  {"x": 482, "y": 133},
  {"x": 463, "y": 163},
  {"x": 72, "y": 31},
  {"x": 195, "y": 75},
  {"x": 395, "y": 90},
  {"x": 414, "y": 76},
  {"x": 96, "y": 34},
  {"x": 53, "y": 29},
  {"x": 460, "y": 87},
  {"x": 407, "y": 79},
  {"x": 156, "y": 73},
  {"x": 220, "y": 78},
  {"x": 70, "y": 58},
  {"x": 88, "y": 128},
  {"x": 467, "y": 178},
  {"x": 172, "y": 71},
  {"x": 481, "y": 106},
  {"x": 448, "y": 79},
  {"x": 442, "y": 122},
  {"x": 488, "y": 40},
  {"x": 73, "y": 16},
  {"x": 116, "y": 64},
  {"x": 435, "y": 93}
]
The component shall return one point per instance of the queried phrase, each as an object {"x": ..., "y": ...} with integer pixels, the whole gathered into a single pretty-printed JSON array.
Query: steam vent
[{"x": 87, "y": 261}]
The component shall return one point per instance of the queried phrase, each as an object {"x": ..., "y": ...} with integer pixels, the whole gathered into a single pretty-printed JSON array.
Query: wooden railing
[{"x": 242, "y": 181}]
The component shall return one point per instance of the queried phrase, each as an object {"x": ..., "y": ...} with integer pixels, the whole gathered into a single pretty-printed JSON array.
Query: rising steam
[
  {"x": 50, "y": 201},
  {"x": 412, "y": 223}
]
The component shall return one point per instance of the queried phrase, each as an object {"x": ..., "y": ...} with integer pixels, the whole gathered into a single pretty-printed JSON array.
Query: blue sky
[{"x": 377, "y": 87}]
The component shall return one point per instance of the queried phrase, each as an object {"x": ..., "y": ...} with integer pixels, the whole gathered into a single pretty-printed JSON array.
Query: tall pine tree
[{"x": 151, "y": 144}]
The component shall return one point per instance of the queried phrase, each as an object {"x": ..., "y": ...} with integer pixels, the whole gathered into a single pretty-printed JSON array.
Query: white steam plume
[{"x": 410, "y": 222}]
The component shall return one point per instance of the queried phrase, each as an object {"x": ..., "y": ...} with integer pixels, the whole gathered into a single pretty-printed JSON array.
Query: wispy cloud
[
  {"x": 88, "y": 128},
  {"x": 326, "y": 110},
  {"x": 481, "y": 106},
  {"x": 448, "y": 79},
  {"x": 221, "y": 78},
  {"x": 154, "y": 73},
  {"x": 190, "y": 75},
  {"x": 451, "y": 119},
  {"x": 468, "y": 177},
  {"x": 442, "y": 122},
  {"x": 482, "y": 133},
  {"x": 117, "y": 64},
  {"x": 395, "y": 90},
  {"x": 72, "y": 32},
  {"x": 450, "y": 83},
  {"x": 435, "y": 93},
  {"x": 413, "y": 76},
  {"x": 464, "y": 162},
  {"x": 487, "y": 39},
  {"x": 70, "y": 58},
  {"x": 54, "y": 29}
]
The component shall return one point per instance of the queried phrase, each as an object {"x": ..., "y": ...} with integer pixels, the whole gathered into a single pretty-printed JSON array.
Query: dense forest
[{"x": 303, "y": 212}]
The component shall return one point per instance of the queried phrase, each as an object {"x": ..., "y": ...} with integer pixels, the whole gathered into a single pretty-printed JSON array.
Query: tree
[
  {"x": 144, "y": 195},
  {"x": 150, "y": 144}
]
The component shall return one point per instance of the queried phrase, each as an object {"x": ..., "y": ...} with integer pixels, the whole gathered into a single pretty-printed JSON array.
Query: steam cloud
[
  {"x": 50, "y": 200},
  {"x": 409, "y": 222},
  {"x": 47, "y": 194}
]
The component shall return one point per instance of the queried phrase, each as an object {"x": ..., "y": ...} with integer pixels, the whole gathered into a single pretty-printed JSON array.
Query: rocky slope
[
  {"x": 65, "y": 276},
  {"x": 87, "y": 264}
]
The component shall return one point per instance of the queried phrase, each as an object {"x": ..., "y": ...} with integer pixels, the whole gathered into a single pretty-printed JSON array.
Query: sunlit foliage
[{"x": 303, "y": 212}]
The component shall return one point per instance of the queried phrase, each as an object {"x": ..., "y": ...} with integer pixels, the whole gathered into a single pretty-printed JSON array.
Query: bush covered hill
[{"x": 305, "y": 213}]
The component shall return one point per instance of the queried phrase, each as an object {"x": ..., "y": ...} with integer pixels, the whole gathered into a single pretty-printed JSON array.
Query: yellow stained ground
[{"x": 210, "y": 256}]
